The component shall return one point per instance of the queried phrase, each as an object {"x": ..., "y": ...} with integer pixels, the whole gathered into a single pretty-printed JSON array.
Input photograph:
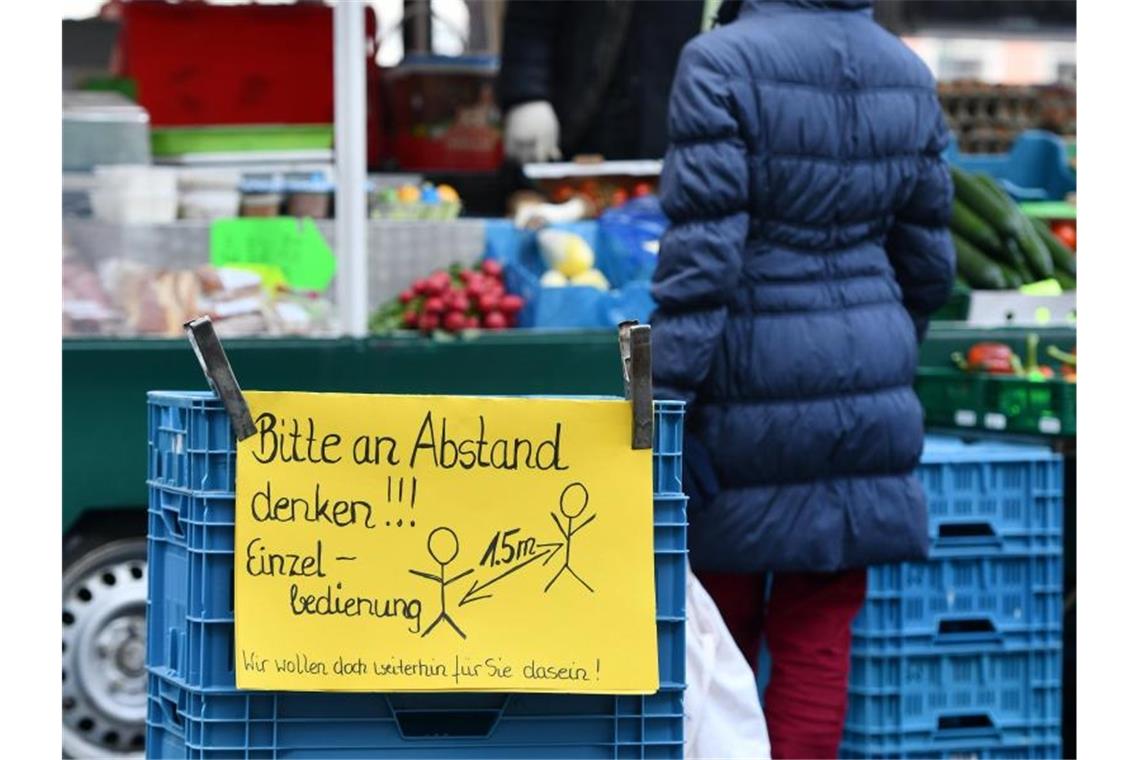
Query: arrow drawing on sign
[{"x": 473, "y": 593}]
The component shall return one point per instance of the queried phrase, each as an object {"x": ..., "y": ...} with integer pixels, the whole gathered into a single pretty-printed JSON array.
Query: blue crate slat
[
  {"x": 991, "y": 496},
  {"x": 183, "y": 723},
  {"x": 195, "y": 711},
  {"x": 1022, "y": 742},
  {"x": 668, "y": 443},
  {"x": 960, "y": 600},
  {"x": 190, "y": 442},
  {"x": 934, "y": 693}
]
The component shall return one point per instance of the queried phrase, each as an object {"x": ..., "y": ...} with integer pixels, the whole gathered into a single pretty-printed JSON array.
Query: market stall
[{"x": 364, "y": 270}]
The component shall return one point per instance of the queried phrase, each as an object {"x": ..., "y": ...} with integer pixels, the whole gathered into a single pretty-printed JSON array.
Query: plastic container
[
  {"x": 1009, "y": 743},
  {"x": 135, "y": 194},
  {"x": 1035, "y": 169},
  {"x": 261, "y": 196},
  {"x": 962, "y": 602},
  {"x": 931, "y": 696},
  {"x": 190, "y": 610},
  {"x": 443, "y": 113},
  {"x": 569, "y": 306},
  {"x": 309, "y": 197},
  {"x": 208, "y": 204},
  {"x": 194, "y": 710},
  {"x": 190, "y": 444},
  {"x": 989, "y": 498},
  {"x": 184, "y": 723},
  {"x": 182, "y": 141},
  {"x": 952, "y": 398}
]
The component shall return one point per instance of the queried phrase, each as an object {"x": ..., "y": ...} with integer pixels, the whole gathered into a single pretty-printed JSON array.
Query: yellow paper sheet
[{"x": 405, "y": 543}]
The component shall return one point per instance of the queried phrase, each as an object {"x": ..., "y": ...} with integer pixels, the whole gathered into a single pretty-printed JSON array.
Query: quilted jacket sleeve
[
  {"x": 919, "y": 244},
  {"x": 704, "y": 192},
  {"x": 527, "y": 67}
]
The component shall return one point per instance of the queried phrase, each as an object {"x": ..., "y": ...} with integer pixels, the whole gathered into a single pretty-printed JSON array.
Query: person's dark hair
[{"x": 727, "y": 12}]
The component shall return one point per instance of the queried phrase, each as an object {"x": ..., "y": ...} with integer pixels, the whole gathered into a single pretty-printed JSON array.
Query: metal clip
[
  {"x": 637, "y": 375},
  {"x": 216, "y": 367}
]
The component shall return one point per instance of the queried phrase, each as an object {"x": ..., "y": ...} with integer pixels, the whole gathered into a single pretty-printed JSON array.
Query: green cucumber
[
  {"x": 1013, "y": 278},
  {"x": 979, "y": 197},
  {"x": 973, "y": 266},
  {"x": 1064, "y": 280},
  {"x": 1036, "y": 254},
  {"x": 971, "y": 227},
  {"x": 1063, "y": 258},
  {"x": 1016, "y": 226}
]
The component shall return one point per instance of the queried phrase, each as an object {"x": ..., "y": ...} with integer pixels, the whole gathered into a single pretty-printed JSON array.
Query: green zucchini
[
  {"x": 971, "y": 227},
  {"x": 979, "y": 197},
  {"x": 1063, "y": 258},
  {"x": 1013, "y": 278},
  {"x": 1064, "y": 280},
  {"x": 1036, "y": 254},
  {"x": 973, "y": 266}
]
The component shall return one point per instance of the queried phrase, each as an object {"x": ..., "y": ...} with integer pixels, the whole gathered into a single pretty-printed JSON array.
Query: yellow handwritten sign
[{"x": 406, "y": 543}]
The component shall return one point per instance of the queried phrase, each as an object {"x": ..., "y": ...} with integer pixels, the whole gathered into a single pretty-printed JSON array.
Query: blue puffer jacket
[{"x": 808, "y": 247}]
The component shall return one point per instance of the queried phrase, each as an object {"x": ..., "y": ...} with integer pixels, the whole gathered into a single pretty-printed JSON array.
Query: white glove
[{"x": 531, "y": 132}]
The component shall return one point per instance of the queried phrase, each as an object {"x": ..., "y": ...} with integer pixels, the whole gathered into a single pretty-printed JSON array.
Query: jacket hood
[{"x": 730, "y": 9}]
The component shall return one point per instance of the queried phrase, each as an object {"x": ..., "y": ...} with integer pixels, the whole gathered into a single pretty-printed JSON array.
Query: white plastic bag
[{"x": 723, "y": 718}]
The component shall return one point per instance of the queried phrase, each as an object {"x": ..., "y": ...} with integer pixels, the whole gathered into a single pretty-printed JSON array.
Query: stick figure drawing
[
  {"x": 572, "y": 503},
  {"x": 443, "y": 546}
]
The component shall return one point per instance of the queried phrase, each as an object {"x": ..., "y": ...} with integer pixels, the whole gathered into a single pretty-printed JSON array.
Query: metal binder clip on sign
[
  {"x": 216, "y": 367},
  {"x": 636, "y": 367}
]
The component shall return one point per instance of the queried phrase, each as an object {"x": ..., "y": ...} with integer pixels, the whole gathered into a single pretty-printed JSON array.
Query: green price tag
[{"x": 295, "y": 247}]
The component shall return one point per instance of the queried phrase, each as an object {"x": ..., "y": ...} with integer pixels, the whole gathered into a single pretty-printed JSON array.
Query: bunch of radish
[{"x": 453, "y": 300}]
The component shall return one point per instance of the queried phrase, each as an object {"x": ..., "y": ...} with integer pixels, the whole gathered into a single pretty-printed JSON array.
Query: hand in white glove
[{"x": 531, "y": 132}]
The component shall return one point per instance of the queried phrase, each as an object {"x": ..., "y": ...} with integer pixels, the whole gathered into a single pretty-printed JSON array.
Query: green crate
[
  {"x": 179, "y": 141},
  {"x": 1049, "y": 210},
  {"x": 956, "y": 309},
  {"x": 995, "y": 403}
]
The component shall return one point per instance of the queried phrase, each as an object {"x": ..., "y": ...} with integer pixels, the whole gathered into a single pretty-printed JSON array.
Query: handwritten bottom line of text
[{"x": 457, "y": 670}]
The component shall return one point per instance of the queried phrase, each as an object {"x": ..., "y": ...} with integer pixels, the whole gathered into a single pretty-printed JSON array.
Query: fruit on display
[
  {"x": 601, "y": 192},
  {"x": 592, "y": 278},
  {"x": 1066, "y": 232},
  {"x": 414, "y": 202},
  {"x": 987, "y": 357},
  {"x": 570, "y": 260},
  {"x": 992, "y": 358},
  {"x": 452, "y": 300},
  {"x": 552, "y": 278},
  {"x": 999, "y": 247}
]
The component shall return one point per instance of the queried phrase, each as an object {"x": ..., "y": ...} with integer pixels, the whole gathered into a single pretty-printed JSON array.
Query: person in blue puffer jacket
[{"x": 807, "y": 248}]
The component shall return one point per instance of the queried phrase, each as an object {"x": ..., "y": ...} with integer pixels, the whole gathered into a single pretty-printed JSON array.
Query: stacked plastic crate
[
  {"x": 195, "y": 711},
  {"x": 960, "y": 656}
]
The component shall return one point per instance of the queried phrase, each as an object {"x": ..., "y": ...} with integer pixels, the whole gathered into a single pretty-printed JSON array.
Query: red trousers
[{"x": 806, "y": 623}]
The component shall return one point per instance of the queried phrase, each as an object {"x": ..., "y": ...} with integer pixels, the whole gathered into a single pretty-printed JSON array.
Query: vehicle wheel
[{"x": 104, "y": 647}]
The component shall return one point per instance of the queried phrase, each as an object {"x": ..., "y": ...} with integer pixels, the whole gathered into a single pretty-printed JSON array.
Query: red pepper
[{"x": 995, "y": 358}]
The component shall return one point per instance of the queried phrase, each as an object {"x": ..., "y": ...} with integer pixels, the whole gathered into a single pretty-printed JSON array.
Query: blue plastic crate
[
  {"x": 1010, "y": 598},
  {"x": 992, "y": 497},
  {"x": 190, "y": 442},
  {"x": 1035, "y": 169},
  {"x": 194, "y": 710},
  {"x": 930, "y": 694},
  {"x": 570, "y": 306},
  {"x": 668, "y": 444},
  {"x": 190, "y": 605},
  {"x": 183, "y": 723},
  {"x": 1009, "y": 743}
]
